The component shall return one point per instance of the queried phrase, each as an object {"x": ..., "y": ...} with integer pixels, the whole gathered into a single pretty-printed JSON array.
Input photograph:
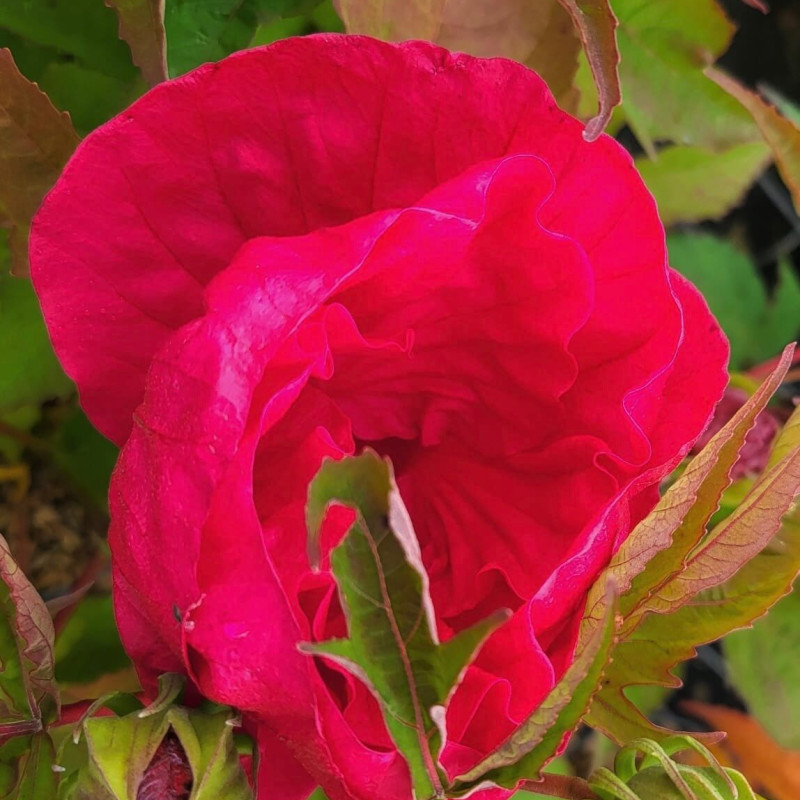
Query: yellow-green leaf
[
  {"x": 664, "y": 46},
  {"x": 694, "y": 183}
]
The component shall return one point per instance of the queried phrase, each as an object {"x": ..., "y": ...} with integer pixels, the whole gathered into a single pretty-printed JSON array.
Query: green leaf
[
  {"x": 35, "y": 142},
  {"x": 769, "y": 685},
  {"x": 29, "y": 371},
  {"x": 85, "y": 456},
  {"x": 28, "y": 690},
  {"x": 781, "y": 134},
  {"x": 90, "y": 95},
  {"x": 393, "y": 645},
  {"x": 208, "y": 30},
  {"x": 111, "y": 756},
  {"x": 86, "y": 30},
  {"x": 141, "y": 25},
  {"x": 89, "y": 645},
  {"x": 664, "y": 46},
  {"x": 523, "y": 755},
  {"x": 693, "y": 183},
  {"x": 26, "y": 768},
  {"x": 756, "y": 327},
  {"x": 681, "y": 587}
]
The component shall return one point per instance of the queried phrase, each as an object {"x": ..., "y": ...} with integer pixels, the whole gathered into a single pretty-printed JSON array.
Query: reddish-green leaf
[
  {"x": 141, "y": 25},
  {"x": 724, "y": 581},
  {"x": 533, "y": 744},
  {"x": 657, "y": 547},
  {"x": 392, "y": 644},
  {"x": 28, "y": 691},
  {"x": 35, "y": 142},
  {"x": 782, "y": 135}
]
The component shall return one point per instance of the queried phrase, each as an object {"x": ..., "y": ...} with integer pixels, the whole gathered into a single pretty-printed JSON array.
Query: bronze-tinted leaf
[
  {"x": 35, "y": 142},
  {"x": 141, "y": 25},
  {"x": 28, "y": 690},
  {"x": 782, "y": 135},
  {"x": 597, "y": 25},
  {"x": 539, "y": 34}
]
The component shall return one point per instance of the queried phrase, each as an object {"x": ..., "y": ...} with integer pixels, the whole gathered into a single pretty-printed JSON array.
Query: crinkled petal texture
[{"x": 334, "y": 243}]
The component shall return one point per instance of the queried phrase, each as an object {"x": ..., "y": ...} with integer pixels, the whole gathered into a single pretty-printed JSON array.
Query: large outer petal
[{"x": 277, "y": 141}]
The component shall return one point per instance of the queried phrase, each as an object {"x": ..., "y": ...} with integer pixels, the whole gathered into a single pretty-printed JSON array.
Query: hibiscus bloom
[{"x": 333, "y": 243}]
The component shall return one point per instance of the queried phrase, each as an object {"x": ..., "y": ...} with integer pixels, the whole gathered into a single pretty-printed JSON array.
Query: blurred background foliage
[{"x": 710, "y": 113}]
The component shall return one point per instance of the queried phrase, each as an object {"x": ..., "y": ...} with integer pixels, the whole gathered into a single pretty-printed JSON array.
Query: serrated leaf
[
  {"x": 26, "y": 768},
  {"x": 682, "y": 588},
  {"x": 28, "y": 691},
  {"x": 523, "y": 755},
  {"x": 664, "y": 46},
  {"x": 92, "y": 92},
  {"x": 656, "y": 548},
  {"x": 692, "y": 183},
  {"x": 781, "y": 134},
  {"x": 756, "y": 327},
  {"x": 141, "y": 25},
  {"x": 35, "y": 142},
  {"x": 732, "y": 577},
  {"x": 393, "y": 645}
]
